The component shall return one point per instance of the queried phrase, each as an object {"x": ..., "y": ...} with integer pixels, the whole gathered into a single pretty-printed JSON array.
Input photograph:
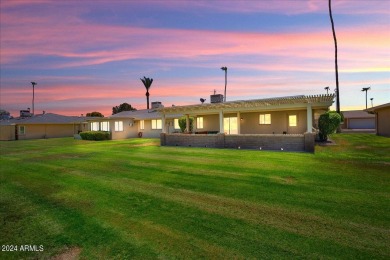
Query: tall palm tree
[
  {"x": 335, "y": 60},
  {"x": 147, "y": 83}
]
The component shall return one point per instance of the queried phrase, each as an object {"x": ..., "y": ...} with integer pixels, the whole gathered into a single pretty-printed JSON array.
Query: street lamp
[
  {"x": 225, "y": 69},
  {"x": 33, "y": 85},
  {"x": 372, "y": 102},
  {"x": 366, "y": 89},
  {"x": 327, "y": 89}
]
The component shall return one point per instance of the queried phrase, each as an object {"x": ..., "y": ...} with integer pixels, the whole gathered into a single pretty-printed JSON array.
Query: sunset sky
[{"x": 90, "y": 55}]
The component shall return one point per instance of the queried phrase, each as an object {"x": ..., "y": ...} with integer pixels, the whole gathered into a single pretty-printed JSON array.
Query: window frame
[
  {"x": 141, "y": 124},
  {"x": 176, "y": 124},
  {"x": 118, "y": 126},
  {"x": 95, "y": 126},
  {"x": 156, "y": 124},
  {"x": 296, "y": 120},
  {"x": 105, "y": 125},
  {"x": 263, "y": 119},
  {"x": 20, "y": 127},
  {"x": 199, "y": 122}
]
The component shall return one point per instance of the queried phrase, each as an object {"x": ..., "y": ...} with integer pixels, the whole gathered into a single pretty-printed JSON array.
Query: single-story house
[
  {"x": 283, "y": 123},
  {"x": 382, "y": 119},
  {"x": 358, "y": 119},
  {"x": 136, "y": 123},
  {"x": 47, "y": 125}
]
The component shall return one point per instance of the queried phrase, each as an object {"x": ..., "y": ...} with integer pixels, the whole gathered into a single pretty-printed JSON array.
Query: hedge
[{"x": 95, "y": 135}]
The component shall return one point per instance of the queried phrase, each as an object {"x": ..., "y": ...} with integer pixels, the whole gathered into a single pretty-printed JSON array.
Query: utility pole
[
  {"x": 366, "y": 89},
  {"x": 335, "y": 59},
  {"x": 225, "y": 69},
  {"x": 33, "y": 85}
]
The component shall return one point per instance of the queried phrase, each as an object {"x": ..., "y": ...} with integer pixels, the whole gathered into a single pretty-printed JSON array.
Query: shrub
[
  {"x": 95, "y": 135},
  {"x": 183, "y": 124},
  {"x": 328, "y": 123}
]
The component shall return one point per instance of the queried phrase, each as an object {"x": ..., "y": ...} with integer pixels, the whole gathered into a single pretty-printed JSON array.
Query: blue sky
[{"x": 90, "y": 55}]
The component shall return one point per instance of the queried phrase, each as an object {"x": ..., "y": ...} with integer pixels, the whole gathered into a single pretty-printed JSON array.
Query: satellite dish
[{"x": 202, "y": 100}]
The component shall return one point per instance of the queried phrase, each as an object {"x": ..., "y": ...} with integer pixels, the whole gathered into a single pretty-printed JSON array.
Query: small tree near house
[
  {"x": 183, "y": 124},
  {"x": 328, "y": 123}
]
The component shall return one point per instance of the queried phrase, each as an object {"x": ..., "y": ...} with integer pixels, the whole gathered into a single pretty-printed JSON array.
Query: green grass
[{"x": 135, "y": 199}]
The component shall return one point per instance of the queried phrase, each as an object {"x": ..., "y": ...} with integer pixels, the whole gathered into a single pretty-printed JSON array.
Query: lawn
[{"x": 134, "y": 199}]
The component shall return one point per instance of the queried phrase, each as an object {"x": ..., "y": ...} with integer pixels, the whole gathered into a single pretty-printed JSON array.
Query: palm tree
[
  {"x": 335, "y": 60},
  {"x": 147, "y": 83}
]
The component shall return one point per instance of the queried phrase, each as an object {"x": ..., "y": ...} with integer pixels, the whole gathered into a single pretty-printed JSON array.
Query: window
[
  {"x": 156, "y": 124},
  {"x": 95, "y": 126},
  {"x": 176, "y": 123},
  {"x": 104, "y": 126},
  {"x": 22, "y": 130},
  {"x": 230, "y": 125},
  {"x": 142, "y": 124},
  {"x": 118, "y": 126},
  {"x": 292, "y": 120},
  {"x": 265, "y": 119},
  {"x": 199, "y": 122}
]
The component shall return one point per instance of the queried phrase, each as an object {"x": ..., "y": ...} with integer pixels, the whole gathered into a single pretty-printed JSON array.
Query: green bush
[
  {"x": 95, "y": 135},
  {"x": 328, "y": 123},
  {"x": 183, "y": 124}
]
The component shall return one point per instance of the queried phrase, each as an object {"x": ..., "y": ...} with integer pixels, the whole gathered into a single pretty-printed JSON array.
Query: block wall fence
[{"x": 299, "y": 142}]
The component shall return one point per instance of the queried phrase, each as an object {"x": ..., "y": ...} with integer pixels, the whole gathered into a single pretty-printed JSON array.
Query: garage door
[{"x": 361, "y": 123}]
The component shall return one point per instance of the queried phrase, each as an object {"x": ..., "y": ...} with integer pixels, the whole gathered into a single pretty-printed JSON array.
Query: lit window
[
  {"x": 292, "y": 120},
  {"x": 104, "y": 126},
  {"x": 142, "y": 124},
  {"x": 265, "y": 119},
  {"x": 95, "y": 126},
  {"x": 199, "y": 122},
  {"x": 22, "y": 130},
  {"x": 119, "y": 126},
  {"x": 176, "y": 123},
  {"x": 156, "y": 124},
  {"x": 230, "y": 125}
]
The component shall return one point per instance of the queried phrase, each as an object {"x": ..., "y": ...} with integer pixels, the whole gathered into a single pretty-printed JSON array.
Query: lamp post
[
  {"x": 366, "y": 89},
  {"x": 372, "y": 102},
  {"x": 225, "y": 69},
  {"x": 33, "y": 85},
  {"x": 327, "y": 89}
]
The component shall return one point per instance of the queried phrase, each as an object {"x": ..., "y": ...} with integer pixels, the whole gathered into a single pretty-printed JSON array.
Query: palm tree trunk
[
  {"x": 147, "y": 100},
  {"x": 335, "y": 61}
]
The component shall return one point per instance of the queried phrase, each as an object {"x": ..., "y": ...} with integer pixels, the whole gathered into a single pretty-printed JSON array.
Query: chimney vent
[
  {"x": 156, "y": 105},
  {"x": 216, "y": 98}
]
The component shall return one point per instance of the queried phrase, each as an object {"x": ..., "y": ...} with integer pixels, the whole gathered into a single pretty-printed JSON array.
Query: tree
[
  {"x": 122, "y": 107},
  {"x": 335, "y": 59},
  {"x": 95, "y": 114},
  {"x": 328, "y": 123},
  {"x": 183, "y": 124},
  {"x": 147, "y": 83},
  {"x": 4, "y": 114}
]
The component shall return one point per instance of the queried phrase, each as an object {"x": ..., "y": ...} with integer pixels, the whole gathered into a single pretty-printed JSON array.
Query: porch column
[
  {"x": 238, "y": 122},
  {"x": 187, "y": 123},
  {"x": 221, "y": 128},
  {"x": 163, "y": 130},
  {"x": 309, "y": 118}
]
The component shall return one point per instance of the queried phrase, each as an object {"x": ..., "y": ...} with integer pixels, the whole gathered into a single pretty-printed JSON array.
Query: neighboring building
[
  {"x": 358, "y": 119},
  {"x": 135, "y": 123},
  {"x": 272, "y": 123},
  {"x": 42, "y": 126},
  {"x": 382, "y": 119}
]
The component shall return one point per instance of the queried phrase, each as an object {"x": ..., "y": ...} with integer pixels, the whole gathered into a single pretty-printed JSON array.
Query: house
[
  {"x": 47, "y": 125},
  {"x": 382, "y": 119},
  {"x": 287, "y": 123},
  {"x": 137, "y": 123},
  {"x": 358, "y": 120}
]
